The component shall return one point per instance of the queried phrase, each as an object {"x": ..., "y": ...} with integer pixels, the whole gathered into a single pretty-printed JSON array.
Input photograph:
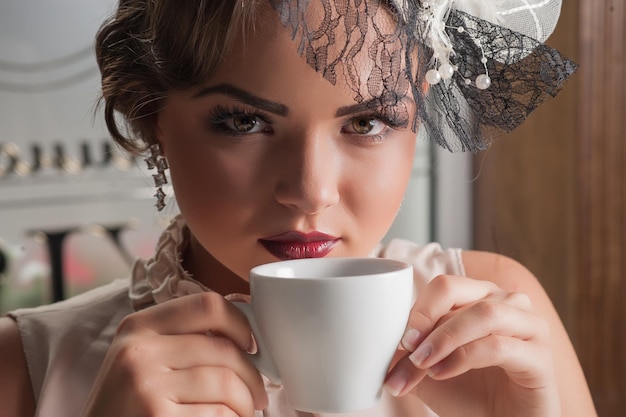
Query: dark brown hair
[{"x": 150, "y": 47}]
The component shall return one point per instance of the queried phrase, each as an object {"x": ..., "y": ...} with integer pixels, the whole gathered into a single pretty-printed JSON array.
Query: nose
[{"x": 309, "y": 173}]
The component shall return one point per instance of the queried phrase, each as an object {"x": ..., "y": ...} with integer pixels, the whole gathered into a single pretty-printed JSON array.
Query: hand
[
  {"x": 184, "y": 357},
  {"x": 473, "y": 349}
]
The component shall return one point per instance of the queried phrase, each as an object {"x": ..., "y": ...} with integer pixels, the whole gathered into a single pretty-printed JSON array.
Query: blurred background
[{"x": 75, "y": 211}]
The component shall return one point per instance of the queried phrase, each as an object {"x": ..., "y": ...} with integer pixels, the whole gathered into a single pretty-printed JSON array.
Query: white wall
[{"x": 453, "y": 199}]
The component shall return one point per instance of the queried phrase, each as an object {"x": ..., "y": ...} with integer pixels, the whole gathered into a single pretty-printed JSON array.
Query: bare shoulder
[
  {"x": 16, "y": 393},
  {"x": 510, "y": 275},
  {"x": 507, "y": 273}
]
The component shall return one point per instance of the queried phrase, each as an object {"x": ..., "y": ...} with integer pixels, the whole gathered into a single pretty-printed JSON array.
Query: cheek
[
  {"x": 206, "y": 182},
  {"x": 212, "y": 181},
  {"x": 381, "y": 187},
  {"x": 395, "y": 167}
]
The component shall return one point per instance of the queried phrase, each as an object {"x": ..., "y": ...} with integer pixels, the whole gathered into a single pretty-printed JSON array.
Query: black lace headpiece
[{"x": 475, "y": 68}]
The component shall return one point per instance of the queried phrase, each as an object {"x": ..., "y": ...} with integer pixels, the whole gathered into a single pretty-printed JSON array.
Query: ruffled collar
[{"x": 163, "y": 277}]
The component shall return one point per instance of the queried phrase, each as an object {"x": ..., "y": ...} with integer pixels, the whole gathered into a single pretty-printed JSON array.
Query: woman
[{"x": 289, "y": 130}]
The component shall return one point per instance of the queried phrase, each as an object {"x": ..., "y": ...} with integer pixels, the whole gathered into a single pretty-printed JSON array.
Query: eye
[
  {"x": 238, "y": 121},
  {"x": 365, "y": 125},
  {"x": 245, "y": 123}
]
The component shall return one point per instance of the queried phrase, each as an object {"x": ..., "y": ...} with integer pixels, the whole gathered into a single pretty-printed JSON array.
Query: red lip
[{"x": 297, "y": 245}]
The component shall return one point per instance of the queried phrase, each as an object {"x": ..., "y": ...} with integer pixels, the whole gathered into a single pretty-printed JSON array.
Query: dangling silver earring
[{"x": 158, "y": 161}]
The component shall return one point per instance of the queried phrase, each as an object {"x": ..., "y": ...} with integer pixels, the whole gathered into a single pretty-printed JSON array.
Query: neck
[{"x": 204, "y": 268}]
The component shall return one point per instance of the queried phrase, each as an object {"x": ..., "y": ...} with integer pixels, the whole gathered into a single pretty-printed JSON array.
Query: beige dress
[{"x": 65, "y": 343}]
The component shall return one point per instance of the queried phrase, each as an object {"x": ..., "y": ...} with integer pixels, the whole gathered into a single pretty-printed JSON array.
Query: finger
[
  {"x": 445, "y": 293},
  {"x": 197, "y": 313},
  {"x": 403, "y": 377},
  {"x": 449, "y": 295},
  {"x": 484, "y": 318},
  {"x": 413, "y": 337},
  {"x": 520, "y": 359},
  {"x": 516, "y": 299},
  {"x": 203, "y": 410},
  {"x": 519, "y": 299},
  {"x": 211, "y": 384},
  {"x": 191, "y": 350},
  {"x": 203, "y": 351}
]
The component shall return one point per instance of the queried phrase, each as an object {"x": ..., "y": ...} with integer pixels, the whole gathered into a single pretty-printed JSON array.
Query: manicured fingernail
[
  {"x": 435, "y": 370},
  {"x": 421, "y": 354},
  {"x": 252, "y": 346},
  {"x": 410, "y": 339},
  {"x": 396, "y": 382}
]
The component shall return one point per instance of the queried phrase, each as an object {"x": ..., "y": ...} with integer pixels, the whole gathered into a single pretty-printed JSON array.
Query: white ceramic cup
[{"x": 328, "y": 328}]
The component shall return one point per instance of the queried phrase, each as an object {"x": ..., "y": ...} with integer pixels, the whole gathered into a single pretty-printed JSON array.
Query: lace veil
[{"x": 475, "y": 69}]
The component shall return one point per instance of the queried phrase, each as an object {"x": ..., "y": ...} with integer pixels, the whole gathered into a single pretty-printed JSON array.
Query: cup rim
[{"x": 269, "y": 270}]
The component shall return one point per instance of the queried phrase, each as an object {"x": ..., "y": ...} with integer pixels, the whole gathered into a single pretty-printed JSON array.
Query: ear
[{"x": 158, "y": 133}]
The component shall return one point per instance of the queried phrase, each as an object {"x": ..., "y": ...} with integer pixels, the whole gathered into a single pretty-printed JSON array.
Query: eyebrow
[
  {"x": 272, "y": 106},
  {"x": 366, "y": 105},
  {"x": 245, "y": 97}
]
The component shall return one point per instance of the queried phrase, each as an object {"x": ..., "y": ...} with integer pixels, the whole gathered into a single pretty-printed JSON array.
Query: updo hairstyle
[{"x": 151, "y": 47}]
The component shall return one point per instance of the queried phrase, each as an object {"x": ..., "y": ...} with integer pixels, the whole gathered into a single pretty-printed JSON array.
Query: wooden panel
[
  {"x": 601, "y": 256},
  {"x": 524, "y": 189},
  {"x": 553, "y": 195}
]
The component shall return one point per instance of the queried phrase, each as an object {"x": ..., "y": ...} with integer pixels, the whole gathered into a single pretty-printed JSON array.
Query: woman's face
[{"x": 270, "y": 161}]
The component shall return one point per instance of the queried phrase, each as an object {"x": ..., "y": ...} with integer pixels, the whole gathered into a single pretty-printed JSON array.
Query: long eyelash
[
  {"x": 393, "y": 121},
  {"x": 220, "y": 114}
]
